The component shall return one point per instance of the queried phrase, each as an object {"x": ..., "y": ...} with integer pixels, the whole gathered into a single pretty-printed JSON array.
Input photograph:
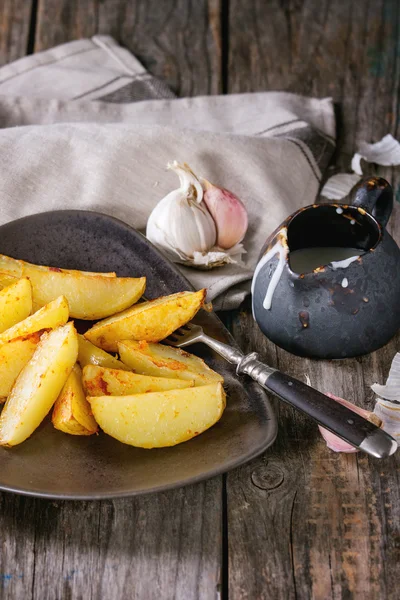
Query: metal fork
[{"x": 332, "y": 415}]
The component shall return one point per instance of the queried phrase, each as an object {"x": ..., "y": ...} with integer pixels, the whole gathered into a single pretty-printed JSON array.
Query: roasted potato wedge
[
  {"x": 90, "y": 295},
  {"x": 38, "y": 385},
  {"x": 165, "y": 361},
  {"x": 6, "y": 279},
  {"x": 159, "y": 419},
  {"x": 98, "y": 381},
  {"x": 89, "y": 354},
  {"x": 14, "y": 267},
  {"x": 52, "y": 315},
  {"x": 72, "y": 413},
  {"x": 15, "y": 303},
  {"x": 151, "y": 321},
  {"x": 14, "y": 355}
]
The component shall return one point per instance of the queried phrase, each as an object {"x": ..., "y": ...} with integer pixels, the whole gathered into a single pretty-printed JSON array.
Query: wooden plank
[
  {"x": 177, "y": 41},
  {"x": 63, "y": 21},
  {"x": 149, "y": 548},
  {"x": 159, "y": 546},
  {"x": 15, "y": 18},
  {"x": 302, "y": 521}
]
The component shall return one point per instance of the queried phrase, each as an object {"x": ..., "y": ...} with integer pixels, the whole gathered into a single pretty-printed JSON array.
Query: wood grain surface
[
  {"x": 304, "y": 522},
  {"x": 300, "y": 522},
  {"x": 15, "y": 21},
  {"x": 179, "y": 41},
  {"x": 157, "y": 547}
]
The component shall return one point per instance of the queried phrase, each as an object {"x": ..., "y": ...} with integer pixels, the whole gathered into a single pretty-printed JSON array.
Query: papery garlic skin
[
  {"x": 180, "y": 224},
  {"x": 389, "y": 413},
  {"x": 228, "y": 212},
  {"x": 334, "y": 442}
]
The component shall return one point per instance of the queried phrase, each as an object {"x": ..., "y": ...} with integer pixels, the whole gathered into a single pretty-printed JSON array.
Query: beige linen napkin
[{"x": 84, "y": 126}]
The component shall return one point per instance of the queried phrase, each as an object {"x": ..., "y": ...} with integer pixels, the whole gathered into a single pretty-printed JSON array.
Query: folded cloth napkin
[{"x": 85, "y": 126}]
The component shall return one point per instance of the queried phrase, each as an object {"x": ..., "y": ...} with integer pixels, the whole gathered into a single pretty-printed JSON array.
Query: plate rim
[{"x": 220, "y": 470}]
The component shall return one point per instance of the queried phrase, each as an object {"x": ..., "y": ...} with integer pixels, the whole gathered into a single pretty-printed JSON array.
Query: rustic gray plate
[{"x": 55, "y": 465}]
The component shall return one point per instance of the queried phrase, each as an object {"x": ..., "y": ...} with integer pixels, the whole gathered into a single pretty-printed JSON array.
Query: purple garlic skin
[{"x": 229, "y": 214}]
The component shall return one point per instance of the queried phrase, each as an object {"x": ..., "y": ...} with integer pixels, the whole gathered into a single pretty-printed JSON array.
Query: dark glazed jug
[{"x": 341, "y": 309}]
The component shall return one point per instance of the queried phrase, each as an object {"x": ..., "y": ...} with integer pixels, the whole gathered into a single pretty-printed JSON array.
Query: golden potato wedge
[
  {"x": 15, "y": 303},
  {"x": 89, "y": 295},
  {"x": 72, "y": 413},
  {"x": 150, "y": 321},
  {"x": 7, "y": 280},
  {"x": 165, "y": 361},
  {"x": 38, "y": 385},
  {"x": 14, "y": 355},
  {"x": 159, "y": 419},
  {"x": 89, "y": 354},
  {"x": 98, "y": 381},
  {"x": 14, "y": 267},
  {"x": 50, "y": 316}
]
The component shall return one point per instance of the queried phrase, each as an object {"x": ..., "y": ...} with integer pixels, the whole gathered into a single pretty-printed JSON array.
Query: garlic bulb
[
  {"x": 187, "y": 231},
  {"x": 334, "y": 442}
]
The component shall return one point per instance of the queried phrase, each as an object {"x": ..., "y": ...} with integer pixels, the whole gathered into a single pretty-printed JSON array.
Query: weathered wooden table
[{"x": 299, "y": 522}]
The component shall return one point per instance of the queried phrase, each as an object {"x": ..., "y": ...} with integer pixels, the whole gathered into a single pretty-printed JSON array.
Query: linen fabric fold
[{"x": 85, "y": 126}]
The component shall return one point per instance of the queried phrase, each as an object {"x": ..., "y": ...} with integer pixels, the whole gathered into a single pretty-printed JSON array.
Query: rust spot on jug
[
  {"x": 304, "y": 319},
  {"x": 345, "y": 299}
]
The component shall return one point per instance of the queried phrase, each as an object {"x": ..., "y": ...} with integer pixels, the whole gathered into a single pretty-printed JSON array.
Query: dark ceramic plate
[{"x": 55, "y": 465}]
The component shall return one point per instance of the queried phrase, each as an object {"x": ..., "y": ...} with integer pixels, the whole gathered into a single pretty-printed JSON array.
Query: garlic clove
[
  {"x": 334, "y": 442},
  {"x": 228, "y": 212}
]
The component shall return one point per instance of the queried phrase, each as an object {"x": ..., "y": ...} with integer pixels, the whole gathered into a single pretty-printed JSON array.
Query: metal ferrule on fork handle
[{"x": 250, "y": 365}]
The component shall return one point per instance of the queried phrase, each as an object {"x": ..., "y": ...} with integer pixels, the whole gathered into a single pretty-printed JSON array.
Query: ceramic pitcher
[{"x": 347, "y": 307}]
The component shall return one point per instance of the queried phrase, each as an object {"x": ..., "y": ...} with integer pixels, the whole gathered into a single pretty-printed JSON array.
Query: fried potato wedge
[
  {"x": 38, "y": 385},
  {"x": 52, "y": 315},
  {"x": 159, "y": 419},
  {"x": 89, "y": 354},
  {"x": 14, "y": 355},
  {"x": 14, "y": 267},
  {"x": 72, "y": 413},
  {"x": 150, "y": 321},
  {"x": 166, "y": 361},
  {"x": 6, "y": 279},
  {"x": 15, "y": 303},
  {"x": 90, "y": 295},
  {"x": 98, "y": 381}
]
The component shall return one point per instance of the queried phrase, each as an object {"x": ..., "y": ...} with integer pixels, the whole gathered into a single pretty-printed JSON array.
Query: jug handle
[{"x": 375, "y": 195}]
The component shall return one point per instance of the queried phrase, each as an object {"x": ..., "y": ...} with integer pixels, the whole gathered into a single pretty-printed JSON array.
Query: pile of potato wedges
[{"x": 150, "y": 396}]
